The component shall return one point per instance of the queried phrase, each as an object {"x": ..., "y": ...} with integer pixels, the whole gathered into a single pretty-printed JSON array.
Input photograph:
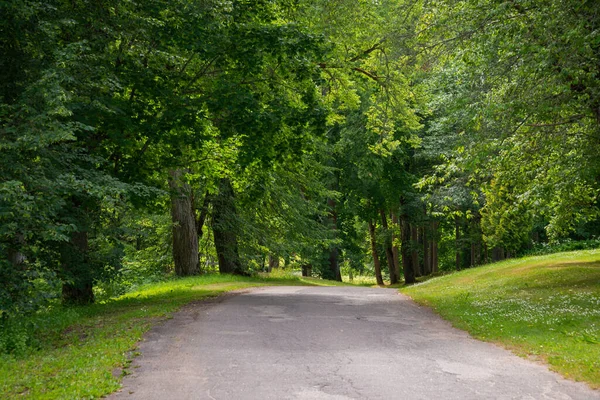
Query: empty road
[{"x": 328, "y": 343}]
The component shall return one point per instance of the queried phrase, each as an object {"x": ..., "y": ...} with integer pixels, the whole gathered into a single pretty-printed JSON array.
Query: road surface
[{"x": 328, "y": 343}]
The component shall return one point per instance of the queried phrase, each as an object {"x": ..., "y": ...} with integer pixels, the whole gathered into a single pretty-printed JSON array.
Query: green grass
[
  {"x": 546, "y": 308},
  {"x": 84, "y": 351}
]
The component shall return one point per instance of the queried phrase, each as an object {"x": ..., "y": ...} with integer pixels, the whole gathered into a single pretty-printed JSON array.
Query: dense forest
[{"x": 396, "y": 138}]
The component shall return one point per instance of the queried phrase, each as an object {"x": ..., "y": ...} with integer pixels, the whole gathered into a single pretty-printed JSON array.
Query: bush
[{"x": 539, "y": 249}]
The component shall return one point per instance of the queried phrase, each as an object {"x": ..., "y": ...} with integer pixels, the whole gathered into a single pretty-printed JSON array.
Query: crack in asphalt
[{"x": 328, "y": 343}]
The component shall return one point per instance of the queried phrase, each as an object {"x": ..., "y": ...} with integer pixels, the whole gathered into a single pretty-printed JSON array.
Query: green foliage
[
  {"x": 539, "y": 249},
  {"x": 513, "y": 92},
  {"x": 478, "y": 117}
]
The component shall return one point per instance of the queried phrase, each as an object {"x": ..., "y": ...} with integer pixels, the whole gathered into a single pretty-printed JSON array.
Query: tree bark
[
  {"x": 457, "y": 242},
  {"x": 273, "y": 262},
  {"x": 306, "y": 269},
  {"x": 486, "y": 253},
  {"x": 203, "y": 213},
  {"x": 395, "y": 248},
  {"x": 407, "y": 264},
  {"x": 185, "y": 236},
  {"x": 15, "y": 257},
  {"x": 389, "y": 252},
  {"x": 434, "y": 247},
  {"x": 376, "y": 263},
  {"x": 426, "y": 252},
  {"x": 414, "y": 245},
  {"x": 334, "y": 265},
  {"x": 225, "y": 226},
  {"x": 78, "y": 287}
]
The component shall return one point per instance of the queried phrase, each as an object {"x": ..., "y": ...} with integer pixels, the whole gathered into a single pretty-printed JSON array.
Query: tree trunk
[
  {"x": 426, "y": 253},
  {"x": 78, "y": 285},
  {"x": 389, "y": 252},
  {"x": 273, "y": 262},
  {"x": 395, "y": 247},
  {"x": 414, "y": 245},
  {"x": 374, "y": 251},
  {"x": 15, "y": 257},
  {"x": 407, "y": 264},
  {"x": 486, "y": 253},
  {"x": 203, "y": 213},
  {"x": 434, "y": 247},
  {"x": 306, "y": 269},
  {"x": 225, "y": 226},
  {"x": 334, "y": 265},
  {"x": 457, "y": 242},
  {"x": 185, "y": 236}
]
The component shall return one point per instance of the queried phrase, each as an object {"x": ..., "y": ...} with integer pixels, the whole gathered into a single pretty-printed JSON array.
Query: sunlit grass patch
[
  {"x": 360, "y": 280},
  {"x": 547, "y": 307},
  {"x": 82, "y": 352}
]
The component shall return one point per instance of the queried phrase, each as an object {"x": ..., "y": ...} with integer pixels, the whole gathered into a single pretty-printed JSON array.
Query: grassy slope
[
  {"x": 83, "y": 350},
  {"x": 546, "y": 308}
]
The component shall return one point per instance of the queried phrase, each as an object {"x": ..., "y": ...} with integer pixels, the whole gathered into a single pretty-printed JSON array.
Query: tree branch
[
  {"x": 367, "y": 73},
  {"x": 368, "y": 51}
]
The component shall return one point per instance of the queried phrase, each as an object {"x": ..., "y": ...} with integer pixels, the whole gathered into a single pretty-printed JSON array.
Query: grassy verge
[
  {"x": 546, "y": 308},
  {"x": 83, "y": 351}
]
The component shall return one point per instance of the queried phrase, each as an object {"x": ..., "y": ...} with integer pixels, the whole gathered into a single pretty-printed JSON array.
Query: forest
[{"x": 390, "y": 138}]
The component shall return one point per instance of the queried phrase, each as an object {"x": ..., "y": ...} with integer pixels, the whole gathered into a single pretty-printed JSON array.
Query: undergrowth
[{"x": 82, "y": 352}]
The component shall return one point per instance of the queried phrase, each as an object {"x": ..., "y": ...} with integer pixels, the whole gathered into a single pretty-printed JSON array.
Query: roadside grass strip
[
  {"x": 83, "y": 352},
  {"x": 545, "y": 308}
]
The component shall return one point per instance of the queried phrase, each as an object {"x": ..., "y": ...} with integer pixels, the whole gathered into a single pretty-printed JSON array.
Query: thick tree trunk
[
  {"x": 334, "y": 264},
  {"x": 185, "y": 236},
  {"x": 389, "y": 252},
  {"x": 407, "y": 264},
  {"x": 224, "y": 224},
  {"x": 376, "y": 263},
  {"x": 78, "y": 287},
  {"x": 395, "y": 248}
]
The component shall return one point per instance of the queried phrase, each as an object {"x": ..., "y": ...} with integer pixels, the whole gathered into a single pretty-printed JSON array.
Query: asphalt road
[{"x": 328, "y": 343}]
